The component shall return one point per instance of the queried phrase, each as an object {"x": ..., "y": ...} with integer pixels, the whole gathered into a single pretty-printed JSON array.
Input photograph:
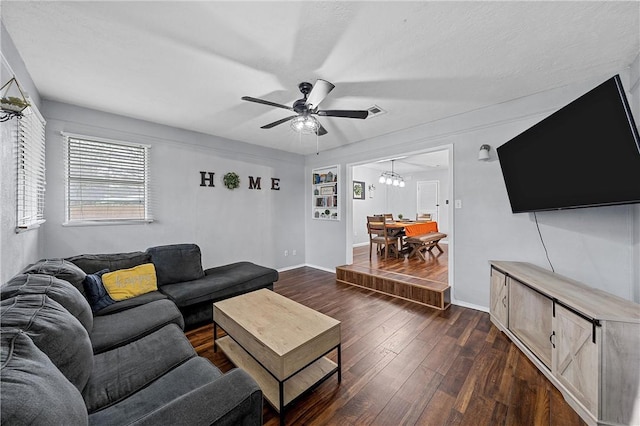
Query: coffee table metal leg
[
  {"x": 215, "y": 333},
  {"x": 339, "y": 363},
  {"x": 281, "y": 383}
]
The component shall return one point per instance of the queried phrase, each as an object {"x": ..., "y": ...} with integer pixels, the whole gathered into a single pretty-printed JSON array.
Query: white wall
[
  {"x": 595, "y": 246},
  {"x": 370, "y": 205},
  {"x": 634, "y": 99},
  {"x": 228, "y": 225},
  {"x": 16, "y": 250}
]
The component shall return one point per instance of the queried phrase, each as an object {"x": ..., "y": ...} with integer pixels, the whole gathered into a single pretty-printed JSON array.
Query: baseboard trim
[
  {"x": 333, "y": 271},
  {"x": 288, "y": 268},
  {"x": 469, "y": 305}
]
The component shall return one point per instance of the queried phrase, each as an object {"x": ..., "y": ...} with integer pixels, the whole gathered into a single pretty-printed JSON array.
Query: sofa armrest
[{"x": 233, "y": 399}]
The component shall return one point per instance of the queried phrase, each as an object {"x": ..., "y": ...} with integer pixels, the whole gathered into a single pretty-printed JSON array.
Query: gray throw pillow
[
  {"x": 34, "y": 391},
  {"x": 92, "y": 263},
  {"x": 176, "y": 263},
  {"x": 59, "y": 290},
  {"x": 55, "y": 332},
  {"x": 58, "y": 268}
]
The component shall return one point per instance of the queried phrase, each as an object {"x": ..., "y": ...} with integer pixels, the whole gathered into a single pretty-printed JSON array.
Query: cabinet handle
[
  {"x": 551, "y": 339},
  {"x": 504, "y": 301}
]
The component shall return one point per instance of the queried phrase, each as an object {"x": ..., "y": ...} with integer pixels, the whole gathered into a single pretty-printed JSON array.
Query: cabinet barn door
[
  {"x": 499, "y": 298},
  {"x": 575, "y": 357}
]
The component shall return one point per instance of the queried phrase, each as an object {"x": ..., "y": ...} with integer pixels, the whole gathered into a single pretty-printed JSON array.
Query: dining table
[
  {"x": 412, "y": 228},
  {"x": 408, "y": 229}
]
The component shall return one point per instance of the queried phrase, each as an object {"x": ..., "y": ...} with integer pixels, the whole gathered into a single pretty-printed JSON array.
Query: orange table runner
[{"x": 420, "y": 228}]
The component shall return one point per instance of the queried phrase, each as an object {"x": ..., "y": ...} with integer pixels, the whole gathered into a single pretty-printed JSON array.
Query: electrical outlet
[
  {"x": 286, "y": 252},
  {"x": 293, "y": 252}
]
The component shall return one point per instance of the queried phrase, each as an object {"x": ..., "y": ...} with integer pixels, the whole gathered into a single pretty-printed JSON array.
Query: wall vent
[{"x": 375, "y": 110}]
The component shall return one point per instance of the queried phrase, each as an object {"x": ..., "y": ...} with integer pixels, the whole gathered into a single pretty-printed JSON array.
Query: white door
[{"x": 428, "y": 198}]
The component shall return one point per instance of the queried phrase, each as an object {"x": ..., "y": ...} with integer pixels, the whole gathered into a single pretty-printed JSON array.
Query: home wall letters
[{"x": 207, "y": 179}]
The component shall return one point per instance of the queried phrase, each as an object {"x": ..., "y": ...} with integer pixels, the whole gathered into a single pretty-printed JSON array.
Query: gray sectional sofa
[
  {"x": 130, "y": 362},
  {"x": 182, "y": 279}
]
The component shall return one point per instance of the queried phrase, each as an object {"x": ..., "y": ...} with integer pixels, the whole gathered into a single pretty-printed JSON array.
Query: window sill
[
  {"x": 34, "y": 225},
  {"x": 107, "y": 222}
]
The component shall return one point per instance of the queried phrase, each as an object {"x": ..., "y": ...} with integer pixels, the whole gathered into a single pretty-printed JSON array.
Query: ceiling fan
[{"x": 308, "y": 106}]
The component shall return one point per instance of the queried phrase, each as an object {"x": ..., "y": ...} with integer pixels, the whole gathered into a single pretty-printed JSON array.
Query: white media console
[{"x": 584, "y": 340}]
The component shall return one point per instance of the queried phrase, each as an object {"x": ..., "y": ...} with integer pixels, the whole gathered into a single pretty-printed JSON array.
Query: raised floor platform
[{"x": 420, "y": 290}]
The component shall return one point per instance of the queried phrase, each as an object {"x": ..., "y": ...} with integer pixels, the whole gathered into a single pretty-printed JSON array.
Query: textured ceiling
[{"x": 187, "y": 64}]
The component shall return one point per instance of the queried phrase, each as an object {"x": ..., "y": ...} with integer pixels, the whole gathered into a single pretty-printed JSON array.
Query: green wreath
[{"x": 231, "y": 180}]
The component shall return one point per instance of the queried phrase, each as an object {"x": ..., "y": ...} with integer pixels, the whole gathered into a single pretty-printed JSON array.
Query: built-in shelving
[{"x": 325, "y": 193}]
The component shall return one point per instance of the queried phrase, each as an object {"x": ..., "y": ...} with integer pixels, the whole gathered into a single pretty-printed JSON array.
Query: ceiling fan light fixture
[{"x": 305, "y": 124}]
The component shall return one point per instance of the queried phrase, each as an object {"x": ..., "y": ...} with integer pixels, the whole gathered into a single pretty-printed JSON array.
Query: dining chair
[
  {"x": 423, "y": 217},
  {"x": 378, "y": 234}
]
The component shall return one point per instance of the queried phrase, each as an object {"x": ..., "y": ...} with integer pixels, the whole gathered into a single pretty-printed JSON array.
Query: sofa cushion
[
  {"x": 55, "y": 332},
  {"x": 34, "y": 391},
  {"x": 220, "y": 283},
  {"x": 96, "y": 293},
  {"x": 92, "y": 263},
  {"x": 125, "y": 370},
  {"x": 131, "y": 303},
  {"x": 121, "y": 328},
  {"x": 176, "y": 263},
  {"x": 58, "y": 268},
  {"x": 59, "y": 290},
  {"x": 194, "y": 373},
  {"x": 127, "y": 283}
]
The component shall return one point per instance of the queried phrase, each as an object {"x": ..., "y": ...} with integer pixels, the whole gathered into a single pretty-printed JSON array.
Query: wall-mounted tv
[{"x": 586, "y": 154}]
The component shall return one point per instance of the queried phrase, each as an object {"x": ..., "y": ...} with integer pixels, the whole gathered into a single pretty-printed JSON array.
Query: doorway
[
  {"x": 427, "y": 199},
  {"x": 428, "y": 170}
]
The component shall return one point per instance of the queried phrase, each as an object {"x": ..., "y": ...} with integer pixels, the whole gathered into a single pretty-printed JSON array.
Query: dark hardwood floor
[
  {"x": 435, "y": 267},
  {"x": 407, "y": 364}
]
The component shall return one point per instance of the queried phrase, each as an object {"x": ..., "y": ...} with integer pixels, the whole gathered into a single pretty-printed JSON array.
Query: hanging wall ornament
[{"x": 13, "y": 100}]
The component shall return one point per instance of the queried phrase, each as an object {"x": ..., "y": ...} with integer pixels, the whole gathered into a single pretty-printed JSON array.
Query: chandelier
[{"x": 392, "y": 178}]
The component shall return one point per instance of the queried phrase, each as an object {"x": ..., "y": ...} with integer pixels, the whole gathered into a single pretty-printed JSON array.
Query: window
[
  {"x": 107, "y": 181},
  {"x": 31, "y": 170}
]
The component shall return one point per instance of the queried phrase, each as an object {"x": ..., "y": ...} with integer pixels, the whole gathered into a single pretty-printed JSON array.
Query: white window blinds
[
  {"x": 31, "y": 170},
  {"x": 107, "y": 181}
]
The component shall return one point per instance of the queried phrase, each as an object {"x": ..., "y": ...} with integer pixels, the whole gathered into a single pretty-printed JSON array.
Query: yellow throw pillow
[{"x": 127, "y": 283}]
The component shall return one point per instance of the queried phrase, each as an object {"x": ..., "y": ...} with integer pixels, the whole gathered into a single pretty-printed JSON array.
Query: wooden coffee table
[{"x": 280, "y": 343}]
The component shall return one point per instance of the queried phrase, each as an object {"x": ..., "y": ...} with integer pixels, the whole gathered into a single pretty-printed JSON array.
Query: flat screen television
[{"x": 586, "y": 154}]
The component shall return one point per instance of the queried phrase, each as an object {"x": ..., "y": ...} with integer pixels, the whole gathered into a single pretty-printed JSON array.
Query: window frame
[
  {"x": 145, "y": 166},
  {"x": 30, "y": 170}
]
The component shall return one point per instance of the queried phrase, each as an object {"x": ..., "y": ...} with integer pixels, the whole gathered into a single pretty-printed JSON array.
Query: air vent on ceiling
[{"x": 375, "y": 110}]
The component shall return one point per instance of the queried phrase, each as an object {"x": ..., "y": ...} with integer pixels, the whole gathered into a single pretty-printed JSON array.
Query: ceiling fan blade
[
  {"x": 320, "y": 91},
  {"x": 275, "y": 123},
  {"x": 343, "y": 113},
  {"x": 321, "y": 130},
  {"x": 262, "y": 101}
]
